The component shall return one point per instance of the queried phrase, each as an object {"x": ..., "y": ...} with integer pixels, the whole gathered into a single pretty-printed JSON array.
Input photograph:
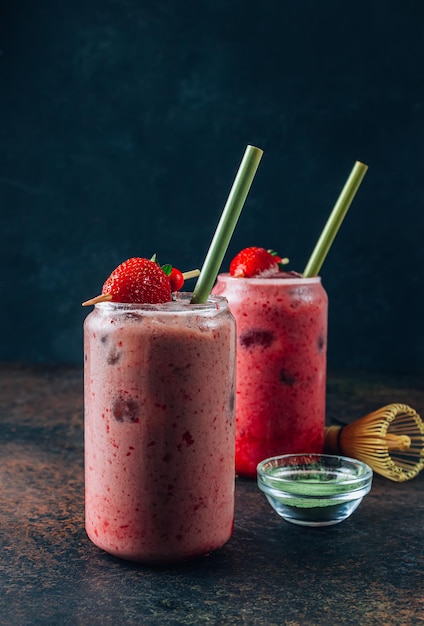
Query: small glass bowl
[{"x": 314, "y": 489}]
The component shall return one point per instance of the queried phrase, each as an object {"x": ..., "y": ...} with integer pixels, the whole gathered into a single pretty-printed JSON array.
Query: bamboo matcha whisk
[{"x": 390, "y": 440}]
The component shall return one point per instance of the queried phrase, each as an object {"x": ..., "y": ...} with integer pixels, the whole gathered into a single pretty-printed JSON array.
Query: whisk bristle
[{"x": 390, "y": 440}]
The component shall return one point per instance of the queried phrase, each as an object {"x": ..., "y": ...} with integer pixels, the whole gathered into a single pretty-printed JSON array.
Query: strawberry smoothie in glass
[
  {"x": 159, "y": 428},
  {"x": 281, "y": 364},
  {"x": 281, "y": 320}
]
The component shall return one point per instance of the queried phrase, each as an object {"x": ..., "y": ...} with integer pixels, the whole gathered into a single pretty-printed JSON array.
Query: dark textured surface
[
  {"x": 122, "y": 126},
  {"x": 367, "y": 570}
]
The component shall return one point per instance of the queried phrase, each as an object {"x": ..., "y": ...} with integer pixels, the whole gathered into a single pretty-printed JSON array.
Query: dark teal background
[{"x": 122, "y": 124}]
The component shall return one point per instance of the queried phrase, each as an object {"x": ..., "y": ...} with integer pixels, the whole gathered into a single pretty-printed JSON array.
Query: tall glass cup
[
  {"x": 281, "y": 365},
  {"x": 159, "y": 428}
]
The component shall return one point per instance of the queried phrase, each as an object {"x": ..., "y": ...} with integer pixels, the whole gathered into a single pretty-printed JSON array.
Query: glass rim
[
  {"x": 180, "y": 303},
  {"x": 275, "y": 279},
  {"x": 334, "y": 461}
]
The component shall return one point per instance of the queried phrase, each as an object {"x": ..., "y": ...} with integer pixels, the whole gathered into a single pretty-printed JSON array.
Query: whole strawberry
[
  {"x": 253, "y": 261},
  {"x": 136, "y": 280}
]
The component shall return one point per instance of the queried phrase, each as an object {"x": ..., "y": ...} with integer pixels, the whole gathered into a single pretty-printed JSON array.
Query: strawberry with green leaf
[
  {"x": 142, "y": 281},
  {"x": 256, "y": 261}
]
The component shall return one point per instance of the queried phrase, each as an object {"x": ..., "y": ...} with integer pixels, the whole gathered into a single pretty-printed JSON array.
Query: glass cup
[
  {"x": 281, "y": 365},
  {"x": 159, "y": 428}
]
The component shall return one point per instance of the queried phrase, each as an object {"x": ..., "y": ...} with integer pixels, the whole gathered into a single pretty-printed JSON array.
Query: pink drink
[
  {"x": 281, "y": 365},
  {"x": 159, "y": 428}
]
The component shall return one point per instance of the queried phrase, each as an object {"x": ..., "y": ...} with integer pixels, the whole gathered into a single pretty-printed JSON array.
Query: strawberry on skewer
[{"x": 143, "y": 281}]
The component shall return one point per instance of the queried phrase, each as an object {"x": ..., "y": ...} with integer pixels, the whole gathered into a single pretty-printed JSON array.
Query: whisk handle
[{"x": 332, "y": 439}]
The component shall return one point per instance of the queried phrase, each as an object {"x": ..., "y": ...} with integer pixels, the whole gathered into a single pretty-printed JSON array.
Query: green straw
[
  {"x": 226, "y": 225},
  {"x": 335, "y": 220}
]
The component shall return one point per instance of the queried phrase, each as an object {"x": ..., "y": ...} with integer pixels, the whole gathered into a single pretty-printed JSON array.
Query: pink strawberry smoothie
[
  {"x": 281, "y": 365},
  {"x": 159, "y": 428}
]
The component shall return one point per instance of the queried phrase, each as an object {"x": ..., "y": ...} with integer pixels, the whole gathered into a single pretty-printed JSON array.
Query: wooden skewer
[
  {"x": 103, "y": 297},
  {"x": 191, "y": 274}
]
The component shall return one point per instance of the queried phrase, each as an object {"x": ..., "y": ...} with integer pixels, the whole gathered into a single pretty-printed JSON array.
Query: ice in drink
[
  {"x": 159, "y": 428},
  {"x": 281, "y": 365}
]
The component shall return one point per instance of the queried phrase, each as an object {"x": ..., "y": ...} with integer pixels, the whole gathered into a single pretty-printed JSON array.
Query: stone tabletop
[{"x": 366, "y": 570}]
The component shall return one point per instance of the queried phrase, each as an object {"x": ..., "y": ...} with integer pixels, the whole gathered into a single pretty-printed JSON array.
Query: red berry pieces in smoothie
[
  {"x": 125, "y": 409},
  {"x": 256, "y": 337},
  {"x": 138, "y": 280},
  {"x": 253, "y": 261},
  {"x": 287, "y": 378}
]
